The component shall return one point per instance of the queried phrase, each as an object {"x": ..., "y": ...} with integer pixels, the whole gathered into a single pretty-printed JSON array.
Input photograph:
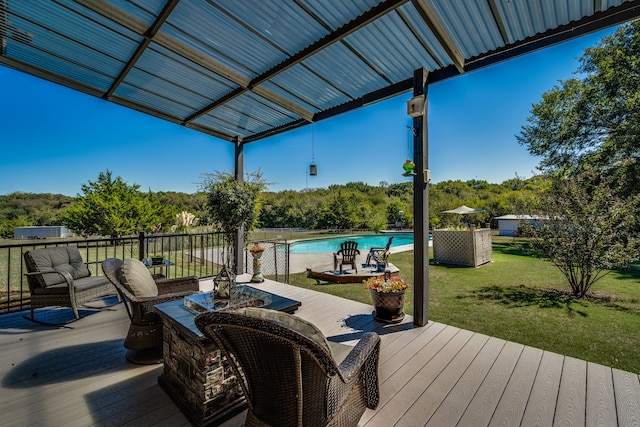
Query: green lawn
[{"x": 526, "y": 300}]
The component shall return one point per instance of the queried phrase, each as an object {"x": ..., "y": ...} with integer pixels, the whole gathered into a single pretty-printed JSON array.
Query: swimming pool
[{"x": 365, "y": 242}]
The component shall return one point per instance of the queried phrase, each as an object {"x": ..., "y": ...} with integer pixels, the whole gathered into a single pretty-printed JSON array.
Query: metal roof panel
[
  {"x": 304, "y": 84},
  {"x": 391, "y": 47},
  {"x": 69, "y": 37},
  {"x": 187, "y": 83},
  {"x": 336, "y": 13},
  {"x": 153, "y": 100},
  {"x": 345, "y": 69},
  {"x": 470, "y": 24}
]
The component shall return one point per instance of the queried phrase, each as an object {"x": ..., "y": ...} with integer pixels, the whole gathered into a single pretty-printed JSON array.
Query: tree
[
  {"x": 110, "y": 207},
  {"x": 585, "y": 229},
  {"x": 6, "y": 227},
  {"x": 594, "y": 121},
  {"x": 338, "y": 211},
  {"x": 233, "y": 205}
]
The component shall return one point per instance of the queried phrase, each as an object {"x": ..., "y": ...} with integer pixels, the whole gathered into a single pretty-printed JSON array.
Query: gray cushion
[
  {"x": 135, "y": 276},
  {"x": 339, "y": 351},
  {"x": 305, "y": 328},
  {"x": 63, "y": 259}
]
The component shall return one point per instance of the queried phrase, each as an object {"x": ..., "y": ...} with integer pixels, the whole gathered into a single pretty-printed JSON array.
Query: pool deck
[
  {"x": 349, "y": 275},
  {"x": 299, "y": 263}
]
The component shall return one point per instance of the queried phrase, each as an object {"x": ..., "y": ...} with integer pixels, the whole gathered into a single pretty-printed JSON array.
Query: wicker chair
[
  {"x": 58, "y": 277},
  {"x": 291, "y": 375},
  {"x": 346, "y": 255},
  {"x": 144, "y": 338}
]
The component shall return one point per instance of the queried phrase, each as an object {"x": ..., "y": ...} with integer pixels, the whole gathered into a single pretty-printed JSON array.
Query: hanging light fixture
[
  {"x": 409, "y": 166},
  {"x": 313, "y": 168}
]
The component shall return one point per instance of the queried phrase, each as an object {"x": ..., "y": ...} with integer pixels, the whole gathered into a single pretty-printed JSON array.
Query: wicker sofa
[{"x": 59, "y": 277}]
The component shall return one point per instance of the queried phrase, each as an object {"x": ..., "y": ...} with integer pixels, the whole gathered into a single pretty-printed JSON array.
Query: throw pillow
[{"x": 136, "y": 277}]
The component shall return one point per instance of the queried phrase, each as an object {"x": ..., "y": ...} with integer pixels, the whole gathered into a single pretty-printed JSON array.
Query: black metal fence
[{"x": 199, "y": 254}]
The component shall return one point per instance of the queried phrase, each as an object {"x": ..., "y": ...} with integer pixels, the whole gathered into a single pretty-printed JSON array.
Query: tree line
[{"x": 355, "y": 205}]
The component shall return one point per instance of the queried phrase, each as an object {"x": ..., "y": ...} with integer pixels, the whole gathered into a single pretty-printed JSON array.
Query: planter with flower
[
  {"x": 256, "y": 251},
  {"x": 387, "y": 296}
]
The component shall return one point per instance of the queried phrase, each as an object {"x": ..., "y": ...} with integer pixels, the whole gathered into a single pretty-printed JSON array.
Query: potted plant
[
  {"x": 387, "y": 296},
  {"x": 233, "y": 207}
]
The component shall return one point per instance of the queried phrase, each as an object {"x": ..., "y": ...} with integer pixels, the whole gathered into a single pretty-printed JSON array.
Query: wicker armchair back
[
  {"x": 289, "y": 378},
  {"x": 145, "y": 330}
]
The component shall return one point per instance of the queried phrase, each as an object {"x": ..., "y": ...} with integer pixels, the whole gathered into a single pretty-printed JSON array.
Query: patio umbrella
[{"x": 463, "y": 210}]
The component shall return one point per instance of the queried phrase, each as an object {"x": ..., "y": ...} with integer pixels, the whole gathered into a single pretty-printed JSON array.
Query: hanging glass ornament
[{"x": 409, "y": 166}]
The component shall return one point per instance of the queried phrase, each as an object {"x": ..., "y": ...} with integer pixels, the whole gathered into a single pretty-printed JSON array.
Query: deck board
[
  {"x": 437, "y": 375},
  {"x": 438, "y": 391},
  {"x": 516, "y": 394},
  {"x": 460, "y": 397},
  {"x": 627, "y": 390},
  {"x": 541, "y": 406},
  {"x": 481, "y": 409},
  {"x": 601, "y": 410},
  {"x": 570, "y": 409}
]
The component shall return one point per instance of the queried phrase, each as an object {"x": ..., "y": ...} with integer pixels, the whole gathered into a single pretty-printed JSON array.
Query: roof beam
[
  {"x": 148, "y": 36},
  {"x": 428, "y": 15},
  {"x": 499, "y": 21}
]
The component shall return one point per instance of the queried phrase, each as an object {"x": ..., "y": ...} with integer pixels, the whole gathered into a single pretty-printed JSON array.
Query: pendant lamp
[{"x": 313, "y": 168}]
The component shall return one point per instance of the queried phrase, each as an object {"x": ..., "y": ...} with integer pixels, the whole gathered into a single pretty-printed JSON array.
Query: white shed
[
  {"x": 508, "y": 225},
  {"x": 40, "y": 232}
]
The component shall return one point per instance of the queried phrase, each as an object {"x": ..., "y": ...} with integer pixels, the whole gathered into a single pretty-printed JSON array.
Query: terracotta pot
[{"x": 388, "y": 306}]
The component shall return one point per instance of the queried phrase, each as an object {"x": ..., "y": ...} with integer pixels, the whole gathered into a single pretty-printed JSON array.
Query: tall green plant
[{"x": 233, "y": 205}]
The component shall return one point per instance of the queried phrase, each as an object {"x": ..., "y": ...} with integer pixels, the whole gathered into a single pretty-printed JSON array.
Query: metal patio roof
[{"x": 245, "y": 70}]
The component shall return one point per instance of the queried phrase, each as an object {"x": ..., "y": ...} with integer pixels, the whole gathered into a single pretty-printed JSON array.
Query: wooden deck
[{"x": 438, "y": 375}]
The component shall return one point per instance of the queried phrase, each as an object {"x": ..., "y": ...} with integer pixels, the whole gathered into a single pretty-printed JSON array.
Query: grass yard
[{"x": 526, "y": 300}]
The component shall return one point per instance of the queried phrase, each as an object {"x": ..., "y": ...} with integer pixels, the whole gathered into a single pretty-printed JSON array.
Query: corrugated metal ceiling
[{"x": 244, "y": 70}]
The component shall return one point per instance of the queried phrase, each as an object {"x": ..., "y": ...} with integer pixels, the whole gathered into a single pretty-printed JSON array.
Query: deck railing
[{"x": 192, "y": 254}]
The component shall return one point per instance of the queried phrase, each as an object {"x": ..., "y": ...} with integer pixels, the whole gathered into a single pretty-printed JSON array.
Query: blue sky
[{"x": 55, "y": 139}]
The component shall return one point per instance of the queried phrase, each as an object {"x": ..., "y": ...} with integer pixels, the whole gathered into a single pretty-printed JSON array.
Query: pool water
[{"x": 365, "y": 242}]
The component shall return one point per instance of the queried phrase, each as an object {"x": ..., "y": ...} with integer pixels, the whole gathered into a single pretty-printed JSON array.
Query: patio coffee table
[{"x": 196, "y": 376}]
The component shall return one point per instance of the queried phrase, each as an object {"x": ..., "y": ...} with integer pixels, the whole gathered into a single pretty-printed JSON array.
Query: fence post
[
  {"x": 141, "y": 253},
  {"x": 202, "y": 248}
]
